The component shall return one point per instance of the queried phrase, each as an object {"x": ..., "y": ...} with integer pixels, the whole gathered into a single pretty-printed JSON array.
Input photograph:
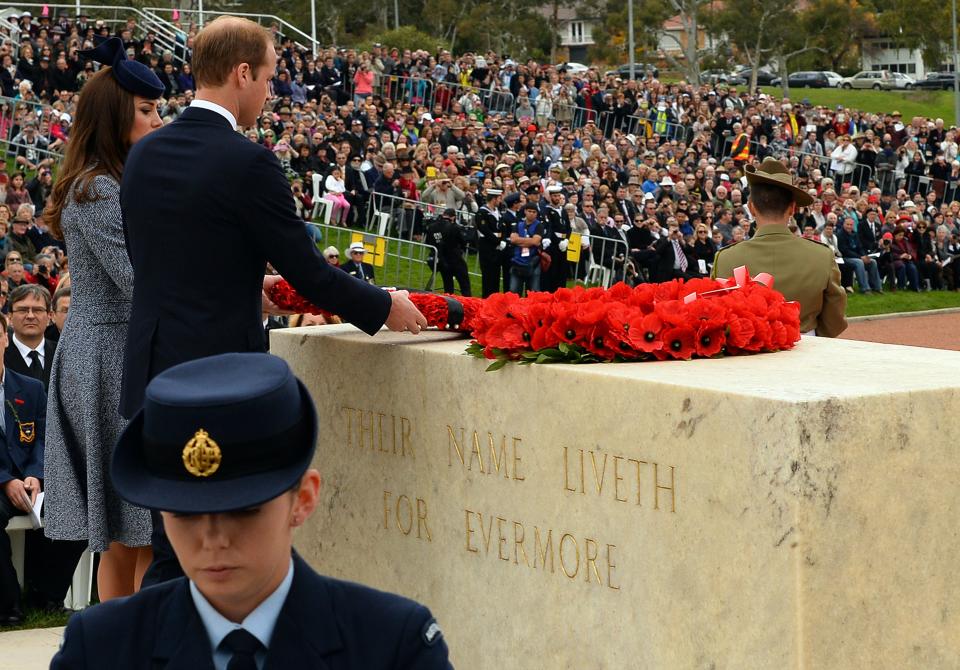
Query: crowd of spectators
[{"x": 412, "y": 133}]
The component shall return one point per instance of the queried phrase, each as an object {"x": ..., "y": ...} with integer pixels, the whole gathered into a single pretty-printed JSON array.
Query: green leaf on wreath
[{"x": 497, "y": 364}]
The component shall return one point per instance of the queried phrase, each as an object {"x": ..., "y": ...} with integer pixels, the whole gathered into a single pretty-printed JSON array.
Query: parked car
[
  {"x": 875, "y": 79},
  {"x": 937, "y": 81},
  {"x": 805, "y": 79},
  {"x": 903, "y": 81},
  {"x": 833, "y": 78},
  {"x": 574, "y": 68},
  {"x": 721, "y": 77},
  {"x": 639, "y": 70},
  {"x": 764, "y": 77}
]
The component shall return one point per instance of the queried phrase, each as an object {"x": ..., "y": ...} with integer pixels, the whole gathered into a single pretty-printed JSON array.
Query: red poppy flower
[
  {"x": 648, "y": 339},
  {"x": 679, "y": 342},
  {"x": 711, "y": 338},
  {"x": 19, "y": 401},
  {"x": 740, "y": 332}
]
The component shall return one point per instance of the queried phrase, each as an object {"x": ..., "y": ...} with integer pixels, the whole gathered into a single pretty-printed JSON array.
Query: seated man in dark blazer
[
  {"x": 355, "y": 266},
  {"x": 223, "y": 446},
  {"x": 29, "y": 352},
  {"x": 48, "y": 565}
]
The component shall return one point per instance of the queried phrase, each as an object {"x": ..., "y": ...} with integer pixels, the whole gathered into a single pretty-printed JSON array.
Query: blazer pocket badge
[{"x": 28, "y": 432}]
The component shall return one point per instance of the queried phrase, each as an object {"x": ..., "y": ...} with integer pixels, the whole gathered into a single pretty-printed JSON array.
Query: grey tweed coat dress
[{"x": 83, "y": 420}]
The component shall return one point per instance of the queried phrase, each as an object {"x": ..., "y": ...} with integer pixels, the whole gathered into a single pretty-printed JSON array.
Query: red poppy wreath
[{"x": 674, "y": 320}]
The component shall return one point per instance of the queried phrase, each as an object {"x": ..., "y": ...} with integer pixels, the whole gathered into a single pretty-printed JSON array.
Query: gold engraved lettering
[
  {"x": 591, "y": 557},
  {"x": 598, "y": 481},
  {"x": 497, "y": 449},
  {"x": 487, "y": 534},
  {"x": 469, "y": 532},
  {"x": 497, "y": 461},
  {"x": 543, "y": 551},
  {"x": 638, "y": 464},
  {"x": 422, "y": 518},
  {"x": 380, "y": 416},
  {"x": 566, "y": 473},
  {"x": 658, "y": 488},
  {"x": 502, "y": 540},
  {"x": 518, "y": 543},
  {"x": 576, "y": 547},
  {"x": 386, "y": 508},
  {"x": 476, "y": 451},
  {"x": 453, "y": 443},
  {"x": 408, "y": 514},
  {"x": 617, "y": 479},
  {"x": 610, "y": 566},
  {"x": 405, "y": 441},
  {"x": 366, "y": 429},
  {"x": 516, "y": 460},
  {"x": 349, "y": 412}
]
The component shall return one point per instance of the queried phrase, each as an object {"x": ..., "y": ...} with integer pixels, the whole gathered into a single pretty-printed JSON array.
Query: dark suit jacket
[
  {"x": 350, "y": 267},
  {"x": 14, "y": 361},
  {"x": 21, "y": 457},
  {"x": 325, "y": 624},
  {"x": 197, "y": 195},
  {"x": 666, "y": 259}
]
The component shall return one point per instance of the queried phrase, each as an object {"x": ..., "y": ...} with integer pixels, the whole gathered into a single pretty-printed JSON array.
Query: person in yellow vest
[
  {"x": 803, "y": 270},
  {"x": 740, "y": 149}
]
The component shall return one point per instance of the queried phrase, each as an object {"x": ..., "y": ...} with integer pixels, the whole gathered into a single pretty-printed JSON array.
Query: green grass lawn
[
  {"x": 901, "y": 301},
  {"x": 931, "y": 104},
  {"x": 37, "y": 619}
]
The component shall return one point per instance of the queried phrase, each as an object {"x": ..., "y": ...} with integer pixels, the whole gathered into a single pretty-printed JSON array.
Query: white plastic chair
[{"x": 78, "y": 595}]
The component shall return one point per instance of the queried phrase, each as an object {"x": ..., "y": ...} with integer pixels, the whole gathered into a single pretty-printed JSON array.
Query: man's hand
[
  {"x": 404, "y": 315},
  {"x": 32, "y": 485},
  {"x": 18, "y": 494},
  {"x": 269, "y": 281}
]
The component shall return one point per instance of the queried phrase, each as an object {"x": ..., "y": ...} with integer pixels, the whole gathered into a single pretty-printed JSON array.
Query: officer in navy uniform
[
  {"x": 555, "y": 240},
  {"x": 491, "y": 242},
  {"x": 49, "y": 564},
  {"x": 509, "y": 218},
  {"x": 450, "y": 241},
  {"x": 223, "y": 447}
]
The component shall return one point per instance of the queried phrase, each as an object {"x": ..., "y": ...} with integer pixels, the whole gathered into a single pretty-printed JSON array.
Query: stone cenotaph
[{"x": 791, "y": 510}]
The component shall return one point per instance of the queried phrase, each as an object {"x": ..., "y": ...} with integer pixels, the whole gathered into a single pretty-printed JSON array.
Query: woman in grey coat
[{"x": 83, "y": 420}]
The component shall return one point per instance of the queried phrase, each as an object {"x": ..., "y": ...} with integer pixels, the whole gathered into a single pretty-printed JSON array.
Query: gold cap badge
[{"x": 201, "y": 455}]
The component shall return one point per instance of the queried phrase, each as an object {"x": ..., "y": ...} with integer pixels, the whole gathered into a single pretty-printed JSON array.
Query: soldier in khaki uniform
[{"x": 803, "y": 270}]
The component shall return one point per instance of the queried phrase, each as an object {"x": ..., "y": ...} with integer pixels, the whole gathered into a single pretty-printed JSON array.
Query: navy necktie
[
  {"x": 36, "y": 367},
  {"x": 243, "y": 645}
]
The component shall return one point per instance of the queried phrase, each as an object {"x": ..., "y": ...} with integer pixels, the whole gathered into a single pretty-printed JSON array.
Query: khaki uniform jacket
[{"x": 802, "y": 270}]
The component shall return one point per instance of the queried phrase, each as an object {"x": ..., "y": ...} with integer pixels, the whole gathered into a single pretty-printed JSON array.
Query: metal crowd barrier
[
  {"x": 33, "y": 155},
  {"x": 861, "y": 174},
  {"x": 396, "y": 262},
  {"x": 14, "y": 112},
  {"x": 604, "y": 263}
]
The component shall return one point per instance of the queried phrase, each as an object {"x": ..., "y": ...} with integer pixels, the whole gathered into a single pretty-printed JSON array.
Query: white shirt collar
[
  {"x": 25, "y": 350},
  {"x": 259, "y": 623},
  {"x": 214, "y": 107}
]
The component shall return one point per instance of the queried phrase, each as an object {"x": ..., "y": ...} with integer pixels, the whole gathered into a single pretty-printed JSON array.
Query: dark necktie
[
  {"x": 36, "y": 367},
  {"x": 243, "y": 646}
]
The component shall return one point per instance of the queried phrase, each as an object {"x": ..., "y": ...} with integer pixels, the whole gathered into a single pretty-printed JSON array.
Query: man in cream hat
[{"x": 803, "y": 270}]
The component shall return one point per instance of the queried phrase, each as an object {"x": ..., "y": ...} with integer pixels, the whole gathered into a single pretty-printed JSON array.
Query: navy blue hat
[
  {"x": 217, "y": 434},
  {"x": 130, "y": 74},
  {"x": 512, "y": 199}
]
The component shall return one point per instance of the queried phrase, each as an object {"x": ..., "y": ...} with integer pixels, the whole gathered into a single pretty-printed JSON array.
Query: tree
[
  {"x": 837, "y": 27},
  {"x": 918, "y": 24},
  {"x": 688, "y": 12}
]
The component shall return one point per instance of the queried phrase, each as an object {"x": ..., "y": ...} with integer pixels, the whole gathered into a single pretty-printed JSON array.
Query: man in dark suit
[
  {"x": 30, "y": 353},
  {"x": 48, "y": 565},
  {"x": 199, "y": 181},
  {"x": 676, "y": 259},
  {"x": 355, "y": 267},
  {"x": 223, "y": 446},
  {"x": 231, "y": 196}
]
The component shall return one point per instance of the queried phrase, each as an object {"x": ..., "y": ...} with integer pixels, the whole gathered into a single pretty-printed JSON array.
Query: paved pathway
[
  {"x": 937, "y": 331},
  {"x": 29, "y": 649}
]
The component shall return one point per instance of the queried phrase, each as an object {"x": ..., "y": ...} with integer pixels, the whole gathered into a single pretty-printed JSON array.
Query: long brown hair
[{"x": 99, "y": 143}]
